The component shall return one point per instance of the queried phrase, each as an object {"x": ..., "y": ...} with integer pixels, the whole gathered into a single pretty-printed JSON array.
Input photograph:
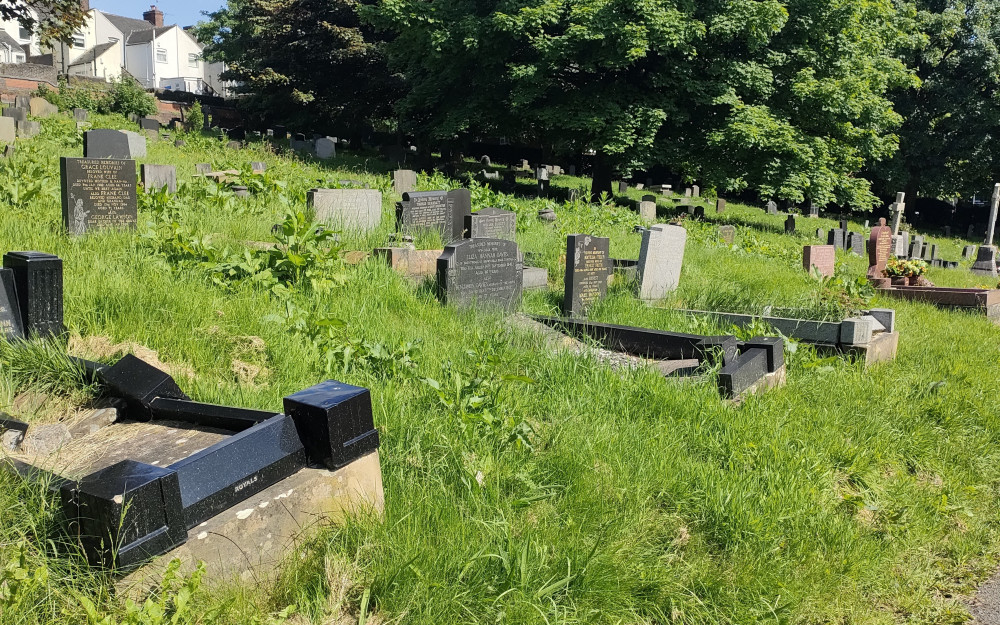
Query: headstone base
[{"x": 986, "y": 261}]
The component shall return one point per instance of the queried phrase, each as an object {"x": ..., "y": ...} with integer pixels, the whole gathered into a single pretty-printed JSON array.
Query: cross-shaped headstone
[{"x": 896, "y": 210}]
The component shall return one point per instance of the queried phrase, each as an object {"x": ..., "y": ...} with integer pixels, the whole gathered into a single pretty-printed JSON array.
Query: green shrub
[
  {"x": 128, "y": 97},
  {"x": 195, "y": 118}
]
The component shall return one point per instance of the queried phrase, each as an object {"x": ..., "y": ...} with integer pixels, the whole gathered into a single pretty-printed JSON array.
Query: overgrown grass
[{"x": 524, "y": 486}]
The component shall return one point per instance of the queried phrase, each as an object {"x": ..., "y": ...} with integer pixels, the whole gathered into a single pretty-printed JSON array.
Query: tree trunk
[{"x": 602, "y": 177}]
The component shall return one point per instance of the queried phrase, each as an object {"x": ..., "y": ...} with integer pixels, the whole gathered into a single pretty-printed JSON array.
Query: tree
[
  {"x": 953, "y": 115},
  {"x": 307, "y": 63},
  {"x": 785, "y": 98},
  {"x": 51, "y": 20}
]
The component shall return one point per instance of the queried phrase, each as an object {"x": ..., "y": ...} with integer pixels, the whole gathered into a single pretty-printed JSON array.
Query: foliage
[
  {"x": 302, "y": 62},
  {"x": 85, "y": 95},
  {"x": 24, "y": 180},
  {"x": 128, "y": 97},
  {"x": 195, "y": 117},
  {"x": 51, "y": 20},
  {"x": 905, "y": 268}
]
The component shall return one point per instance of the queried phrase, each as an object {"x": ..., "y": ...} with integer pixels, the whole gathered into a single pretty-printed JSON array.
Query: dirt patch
[
  {"x": 249, "y": 374},
  {"x": 103, "y": 348}
]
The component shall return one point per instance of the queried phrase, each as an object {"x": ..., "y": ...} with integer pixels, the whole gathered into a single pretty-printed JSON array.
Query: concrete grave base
[
  {"x": 250, "y": 541},
  {"x": 408, "y": 262},
  {"x": 882, "y": 348}
]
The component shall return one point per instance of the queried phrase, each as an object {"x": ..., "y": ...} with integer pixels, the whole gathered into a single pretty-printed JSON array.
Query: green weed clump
[{"x": 522, "y": 485}]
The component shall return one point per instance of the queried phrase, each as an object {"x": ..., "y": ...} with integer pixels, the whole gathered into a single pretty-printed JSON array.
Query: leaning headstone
[
  {"x": 728, "y": 234},
  {"x": 40, "y": 107},
  {"x": 358, "y": 210},
  {"x": 660, "y": 258},
  {"x": 720, "y": 205},
  {"x": 879, "y": 249},
  {"x": 8, "y": 130},
  {"x": 481, "y": 272},
  {"x": 443, "y": 211},
  {"x": 588, "y": 268},
  {"x": 80, "y": 115},
  {"x": 17, "y": 113},
  {"x": 822, "y": 258},
  {"x": 326, "y": 147},
  {"x": 491, "y": 223},
  {"x": 790, "y": 225},
  {"x": 156, "y": 177},
  {"x": 106, "y": 143},
  {"x": 97, "y": 194},
  {"x": 968, "y": 251},
  {"x": 772, "y": 208},
  {"x": 404, "y": 181}
]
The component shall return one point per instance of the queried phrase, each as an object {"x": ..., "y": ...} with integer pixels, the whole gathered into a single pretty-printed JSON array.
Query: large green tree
[
  {"x": 307, "y": 63},
  {"x": 784, "y": 98},
  {"x": 953, "y": 116}
]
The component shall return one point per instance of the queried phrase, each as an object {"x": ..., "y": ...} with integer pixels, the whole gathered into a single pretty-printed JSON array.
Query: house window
[
  {"x": 78, "y": 41},
  {"x": 19, "y": 58},
  {"x": 193, "y": 60},
  {"x": 161, "y": 55},
  {"x": 24, "y": 34}
]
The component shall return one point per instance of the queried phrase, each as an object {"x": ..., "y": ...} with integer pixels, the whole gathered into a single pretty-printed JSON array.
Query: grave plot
[
  {"x": 746, "y": 366},
  {"x": 173, "y": 476},
  {"x": 984, "y": 302}
]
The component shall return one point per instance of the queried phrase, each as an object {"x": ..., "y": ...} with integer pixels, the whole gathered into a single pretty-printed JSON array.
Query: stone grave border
[
  {"x": 984, "y": 302},
  {"x": 746, "y": 366}
]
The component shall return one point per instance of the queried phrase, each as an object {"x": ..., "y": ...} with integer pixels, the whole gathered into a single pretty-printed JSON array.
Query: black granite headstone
[
  {"x": 10, "y": 313},
  {"x": 38, "y": 284},
  {"x": 836, "y": 238},
  {"x": 98, "y": 194},
  {"x": 790, "y": 225},
  {"x": 334, "y": 422},
  {"x": 588, "y": 267},
  {"x": 149, "y": 123},
  {"x": 491, "y": 223},
  {"x": 441, "y": 211},
  {"x": 482, "y": 272}
]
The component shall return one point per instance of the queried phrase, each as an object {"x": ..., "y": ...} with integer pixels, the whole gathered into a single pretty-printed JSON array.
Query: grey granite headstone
[
  {"x": 106, "y": 143},
  {"x": 404, "y": 181},
  {"x": 150, "y": 123},
  {"x": 22, "y": 102},
  {"x": 856, "y": 243},
  {"x": 80, "y": 115},
  {"x": 10, "y": 314},
  {"x": 898, "y": 245},
  {"x": 491, "y": 223},
  {"x": 660, "y": 258},
  {"x": 155, "y": 177},
  {"x": 97, "y": 194},
  {"x": 720, "y": 205},
  {"x": 772, "y": 208},
  {"x": 443, "y": 211},
  {"x": 986, "y": 261},
  {"x": 326, "y": 147},
  {"x": 696, "y": 191},
  {"x": 357, "y": 210},
  {"x": 647, "y": 210},
  {"x": 968, "y": 251},
  {"x": 17, "y": 113},
  {"x": 28, "y": 129},
  {"x": 917, "y": 247},
  {"x": 836, "y": 238},
  {"x": 588, "y": 268},
  {"x": 481, "y": 272},
  {"x": 203, "y": 168}
]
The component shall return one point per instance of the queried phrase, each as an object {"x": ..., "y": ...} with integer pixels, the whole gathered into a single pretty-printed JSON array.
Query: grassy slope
[{"x": 847, "y": 496}]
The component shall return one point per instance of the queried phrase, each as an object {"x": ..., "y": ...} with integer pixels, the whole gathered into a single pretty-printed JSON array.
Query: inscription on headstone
[
  {"x": 821, "y": 257},
  {"x": 443, "y": 211},
  {"x": 97, "y": 194},
  {"x": 482, "y": 272},
  {"x": 879, "y": 248},
  {"x": 588, "y": 267},
  {"x": 491, "y": 223},
  {"x": 727, "y": 234}
]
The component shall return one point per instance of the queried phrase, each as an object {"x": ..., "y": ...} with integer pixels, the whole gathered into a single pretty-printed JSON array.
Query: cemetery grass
[{"x": 524, "y": 486}]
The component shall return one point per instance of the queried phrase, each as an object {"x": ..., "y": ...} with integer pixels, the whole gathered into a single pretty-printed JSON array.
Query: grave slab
[
  {"x": 347, "y": 209},
  {"x": 588, "y": 270},
  {"x": 480, "y": 272},
  {"x": 660, "y": 258},
  {"x": 98, "y": 194}
]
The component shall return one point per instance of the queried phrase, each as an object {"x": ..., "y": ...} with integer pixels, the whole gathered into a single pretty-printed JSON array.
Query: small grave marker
[
  {"x": 155, "y": 177},
  {"x": 404, "y": 181},
  {"x": 821, "y": 257},
  {"x": 728, "y": 234},
  {"x": 491, "y": 223}
]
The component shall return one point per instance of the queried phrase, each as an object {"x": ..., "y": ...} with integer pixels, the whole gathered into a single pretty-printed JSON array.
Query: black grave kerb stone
[{"x": 38, "y": 285}]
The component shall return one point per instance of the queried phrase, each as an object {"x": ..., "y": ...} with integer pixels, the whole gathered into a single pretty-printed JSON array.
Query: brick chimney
[{"x": 154, "y": 16}]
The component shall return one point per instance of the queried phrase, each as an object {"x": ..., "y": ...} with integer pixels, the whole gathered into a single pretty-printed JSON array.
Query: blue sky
[{"x": 181, "y": 12}]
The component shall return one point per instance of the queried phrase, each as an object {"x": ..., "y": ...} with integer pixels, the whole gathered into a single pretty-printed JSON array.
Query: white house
[{"x": 108, "y": 45}]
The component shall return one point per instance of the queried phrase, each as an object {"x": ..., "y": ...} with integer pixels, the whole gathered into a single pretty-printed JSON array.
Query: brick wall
[{"x": 23, "y": 78}]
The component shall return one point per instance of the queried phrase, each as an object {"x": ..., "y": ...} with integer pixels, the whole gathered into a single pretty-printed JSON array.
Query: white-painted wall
[
  {"x": 107, "y": 66},
  {"x": 177, "y": 71},
  {"x": 30, "y": 44},
  {"x": 105, "y": 31}
]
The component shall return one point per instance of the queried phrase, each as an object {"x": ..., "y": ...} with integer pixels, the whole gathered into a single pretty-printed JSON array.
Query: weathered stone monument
[
  {"x": 358, "y": 210},
  {"x": 491, "y": 223},
  {"x": 98, "y": 194},
  {"x": 772, "y": 207},
  {"x": 896, "y": 212},
  {"x": 720, "y": 205},
  {"x": 156, "y": 177},
  {"x": 727, "y": 234},
  {"x": 326, "y": 147},
  {"x": 8, "y": 130},
  {"x": 105, "y": 143},
  {"x": 480, "y": 272},
  {"x": 588, "y": 269},
  {"x": 660, "y": 258},
  {"x": 822, "y": 258},
  {"x": 986, "y": 259},
  {"x": 404, "y": 181}
]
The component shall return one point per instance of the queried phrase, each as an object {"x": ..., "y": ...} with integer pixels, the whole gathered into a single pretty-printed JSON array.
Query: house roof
[
  {"x": 92, "y": 54},
  {"x": 145, "y": 36},
  {"x": 127, "y": 25},
  {"x": 7, "y": 40}
]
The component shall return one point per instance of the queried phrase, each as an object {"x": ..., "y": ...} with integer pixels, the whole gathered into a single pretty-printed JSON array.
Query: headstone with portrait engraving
[
  {"x": 588, "y": 268},
  {"x": 441, "y": 211},
  {"x": 97, "y": 194},
  {"x": 480, "y": 272}
]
